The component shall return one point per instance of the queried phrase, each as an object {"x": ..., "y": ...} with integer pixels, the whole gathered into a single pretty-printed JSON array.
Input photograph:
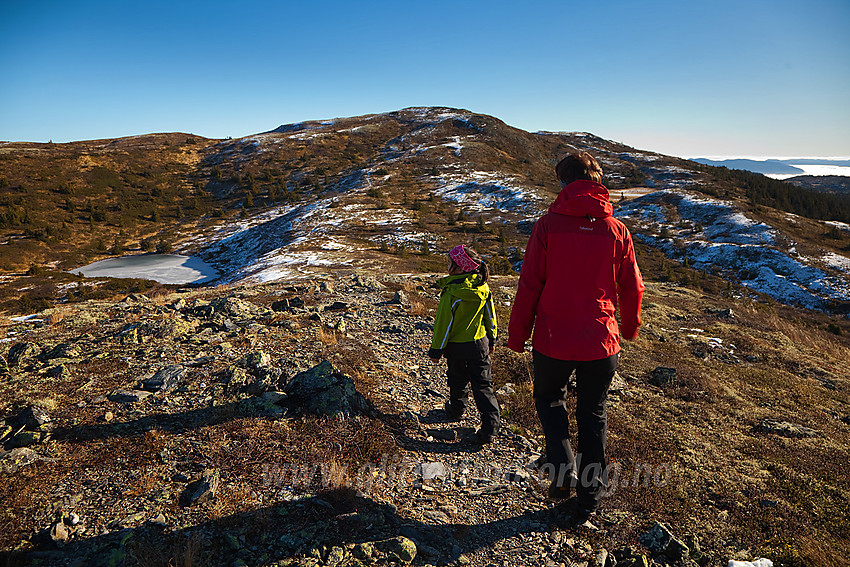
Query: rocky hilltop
[
  {"x": 382, "y": 191},
  {"x": 300, "y": 423}
]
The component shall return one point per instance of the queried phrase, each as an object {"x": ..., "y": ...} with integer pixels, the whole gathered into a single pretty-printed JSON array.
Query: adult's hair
[
  {"x": 483, "y": 269},
  {"x": 580, "y": 165}
]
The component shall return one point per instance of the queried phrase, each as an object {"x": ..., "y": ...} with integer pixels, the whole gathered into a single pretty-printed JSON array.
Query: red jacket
[{"x": 579, "y": 259}]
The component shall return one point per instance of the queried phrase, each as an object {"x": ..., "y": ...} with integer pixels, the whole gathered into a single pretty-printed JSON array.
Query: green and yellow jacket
[{"x": 465, "y": 313}]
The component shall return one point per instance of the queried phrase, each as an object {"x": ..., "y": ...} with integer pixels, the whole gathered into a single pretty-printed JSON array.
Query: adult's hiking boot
[{"x": 452, "y": 415}]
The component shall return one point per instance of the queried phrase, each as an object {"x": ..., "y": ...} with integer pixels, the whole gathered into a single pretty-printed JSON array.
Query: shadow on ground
[{"x": 278, "y": 533}]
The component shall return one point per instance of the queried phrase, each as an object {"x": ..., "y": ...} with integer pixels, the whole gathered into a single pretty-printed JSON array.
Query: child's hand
[
  {"x": 434, "y": 360},
  {"x": 492, "y": 348}
]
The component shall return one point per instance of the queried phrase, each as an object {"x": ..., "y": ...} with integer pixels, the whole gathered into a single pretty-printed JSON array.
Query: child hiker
[{"x": 465, "y": 333}]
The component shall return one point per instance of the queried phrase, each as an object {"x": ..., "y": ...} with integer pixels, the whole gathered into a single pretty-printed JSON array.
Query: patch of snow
[
  {"x": 839, "y": 225},
  {"x": 836, "y": 261},
  {"x": 455, "y": 145},
  {"x": 483, "y": 190},
  {"x": 26, "y": 318},
  {"x": 713, "y": 235}
]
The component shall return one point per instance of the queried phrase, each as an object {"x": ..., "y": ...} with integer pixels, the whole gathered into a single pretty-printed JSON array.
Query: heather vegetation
[{"x": 170, "y": 406}]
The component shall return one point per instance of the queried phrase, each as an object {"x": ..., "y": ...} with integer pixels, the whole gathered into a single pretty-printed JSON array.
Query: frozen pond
[{"x": 163, "y": 268}]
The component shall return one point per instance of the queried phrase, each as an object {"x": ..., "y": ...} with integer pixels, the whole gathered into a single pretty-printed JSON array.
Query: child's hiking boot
[
  {"x": 484, "y": 437},
  {"x": 556, "y": 492}
]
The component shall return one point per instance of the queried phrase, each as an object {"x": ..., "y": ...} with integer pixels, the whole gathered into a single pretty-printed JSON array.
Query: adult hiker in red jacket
[{"x": 578, "y": 264}]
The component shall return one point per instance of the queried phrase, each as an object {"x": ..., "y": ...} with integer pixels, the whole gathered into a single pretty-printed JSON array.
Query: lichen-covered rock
[
  {"x": 165, "y": 379},
  {"x": 660, "y": 539},
  {"x": 128, "y": 396},
  {"x": 662, "y": 376},
  {"x": 399, "y": 548},
  {"x": 25, "y": 439},
  {"x": 205, "y": 489},
  {"x": 238, "y": 308},
  {"x": 62, "y": 350},
  {"x": 22, "y": 353},
  {"x": 785, "y": 429},
  {"x": 256, "y": 359},
  {"x": 166, "y": 328},
  {"x": 324, "y": 390},
  {"x": 4, "y": 367}
]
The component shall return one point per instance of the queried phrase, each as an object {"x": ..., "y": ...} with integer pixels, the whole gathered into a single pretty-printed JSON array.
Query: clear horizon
[{"x": 723, "y": 78}]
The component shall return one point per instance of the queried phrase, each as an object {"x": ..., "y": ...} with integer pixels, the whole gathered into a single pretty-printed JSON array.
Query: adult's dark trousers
[
  {"x": 469, "y": 368},
  {"x": 585, "y": 468}
]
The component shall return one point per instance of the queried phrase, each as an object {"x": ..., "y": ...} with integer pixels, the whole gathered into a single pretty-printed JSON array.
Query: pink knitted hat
[{"x": 460, "y": 257}]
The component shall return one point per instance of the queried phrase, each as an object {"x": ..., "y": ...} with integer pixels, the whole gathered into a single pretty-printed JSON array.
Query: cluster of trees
[{"x": 761, "y": 190}]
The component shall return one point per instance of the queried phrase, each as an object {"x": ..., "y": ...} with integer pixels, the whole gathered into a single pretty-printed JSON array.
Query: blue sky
[{"x": 755, "y": 78}]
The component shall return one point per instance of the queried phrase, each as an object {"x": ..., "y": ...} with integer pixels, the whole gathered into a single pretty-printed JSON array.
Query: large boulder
[{"x": 324, "y": 390}]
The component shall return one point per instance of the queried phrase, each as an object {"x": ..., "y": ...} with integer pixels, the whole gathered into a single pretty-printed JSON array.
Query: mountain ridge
[{"x": 164, "y": 425}]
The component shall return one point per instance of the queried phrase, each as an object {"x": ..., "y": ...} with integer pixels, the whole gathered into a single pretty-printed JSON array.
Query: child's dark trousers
[{"x": 469, "y": 366}]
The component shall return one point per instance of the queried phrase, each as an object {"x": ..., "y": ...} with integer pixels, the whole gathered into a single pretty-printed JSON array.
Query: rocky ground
[{"x": 301, "y": 424}]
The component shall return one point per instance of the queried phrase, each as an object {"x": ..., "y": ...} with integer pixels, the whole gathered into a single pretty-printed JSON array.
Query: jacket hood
[
  {"x": 467, "y": 287},
  {"x": 583, "y": 198}
]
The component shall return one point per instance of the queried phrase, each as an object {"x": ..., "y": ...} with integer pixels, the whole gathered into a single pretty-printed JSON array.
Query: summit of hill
[{"x": 287, "y": 414}]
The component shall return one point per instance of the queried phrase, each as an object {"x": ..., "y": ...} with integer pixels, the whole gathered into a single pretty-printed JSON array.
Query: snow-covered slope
[
  {"x": 712, "y": 235},
  {"x": 483, "y": 167}
]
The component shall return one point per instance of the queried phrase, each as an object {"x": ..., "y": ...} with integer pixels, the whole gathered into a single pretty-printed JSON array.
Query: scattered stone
[
  {"x": 165, "y": 379},
  {"x": 430, "y": 471},
  {"x": 338, "y": 306},
  {"x": 336, "y": 556},
  {"x": 442, "y": 434},
  {"x": 256, "y": 359},
  {"x": 363, "y": 551},
  {"x": 16, "y": 458},
  {"x": 235, "y": 307},
  {"x": 22, "y": 353},
  {"x": 399, "y": 548},
  {"x": 659, "y": 539},
  {"x": 62, "y": 350},
  {"x": 60, "y": 371},
  {"x": 506, "y": 390},
  {"x": 761, "y": 562},
  {"x": 25, "y": 439},
  {"x": 237, "y": 377},
  {"x": 274, "y": 397},
  {"x": 128, "y": 396},
  {"x": 324, "y": 390},
  {"x": 205, "y": 489},
  {"x": 32, "y": 417},
  {"x": 662, "y": 376},
  {"x": 4, "y": 367},
  {"x": 59, "y": 533},
  {"x": 399, "y": 299},
  {"x": 785, "y": 429}
]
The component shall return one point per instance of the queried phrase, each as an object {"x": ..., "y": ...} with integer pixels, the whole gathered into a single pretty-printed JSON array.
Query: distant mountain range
[{"x": 772, "y": 166}]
